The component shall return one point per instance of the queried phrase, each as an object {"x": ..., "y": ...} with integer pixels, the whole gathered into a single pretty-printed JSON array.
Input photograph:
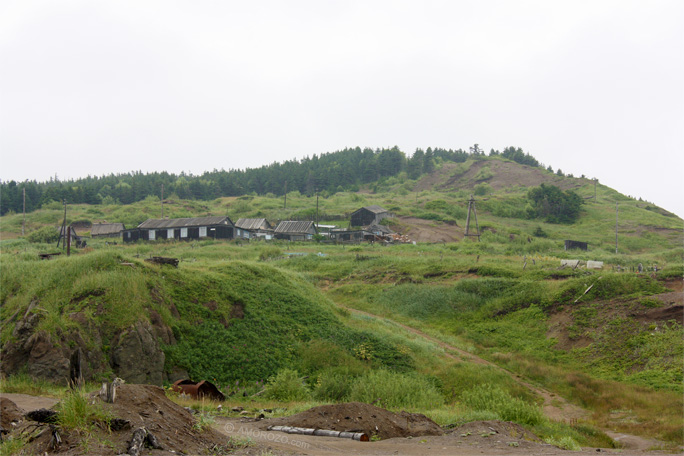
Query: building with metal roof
[
  {"x": 251, "y": 228},
  {"x": 107, "y": 229},
  {"x": 215, "y": 227},
  {"x": 295, "y": 230}
]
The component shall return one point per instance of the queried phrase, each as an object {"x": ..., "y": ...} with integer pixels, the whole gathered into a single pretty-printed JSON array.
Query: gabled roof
[
  {"x": 294, "y": 227},
  {"x": 185, "y": 222},
  {"x": 373, "y": 208},
  {"x": 103, "y": 229},
  {"x": 253, "y": 224}
]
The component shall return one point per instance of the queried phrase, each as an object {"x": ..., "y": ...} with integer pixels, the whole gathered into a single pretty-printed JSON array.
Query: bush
[
  {"x": 270, "y": 252},
  {"x": 286, "y": 386},
  {"x": 75, "y": 412},
  {"x": 44, "y": 235},
  {"x": 509, "y": 408},
  {"x": 334, "y": 384},
  {"x": 394, "y": 390}
]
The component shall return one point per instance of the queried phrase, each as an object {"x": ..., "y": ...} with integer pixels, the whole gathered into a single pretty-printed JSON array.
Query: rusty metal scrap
[{"x": 198, "y": 390}]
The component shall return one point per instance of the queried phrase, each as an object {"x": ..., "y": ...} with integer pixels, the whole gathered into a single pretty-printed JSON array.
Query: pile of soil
[
  {"x": 143, "y": 406},
  {"x": 360, "y": 417},
  {"x": 9, "y": 413}
]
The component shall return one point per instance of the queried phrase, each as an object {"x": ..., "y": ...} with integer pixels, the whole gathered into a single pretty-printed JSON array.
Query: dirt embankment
[{"x": 141, "y": 405}]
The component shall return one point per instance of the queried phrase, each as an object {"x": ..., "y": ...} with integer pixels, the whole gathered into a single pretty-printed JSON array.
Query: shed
[
  {"x": 250, "y": 228},
  {"x": 576, "y": 245},
  {"x": 107, "y": 229},
  {"x": 345, "y": 235},
  {"x": 215, "y": 227},
  {"x": 369, "y": 215},
  {"x": 295, "y": 230}
]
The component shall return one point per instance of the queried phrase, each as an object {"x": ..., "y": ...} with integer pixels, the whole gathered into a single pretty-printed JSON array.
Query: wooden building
[
  {"x": 369, "y": 215},
  {"x": 107, "y": 229},
  {"x": 253, "y": 228},
  {"x": 215, "y": 227},
  {"x": 295, "y": 231}
]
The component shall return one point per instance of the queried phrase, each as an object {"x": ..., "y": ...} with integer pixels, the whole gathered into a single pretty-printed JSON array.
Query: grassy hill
[{"x": 243, "y": 313}]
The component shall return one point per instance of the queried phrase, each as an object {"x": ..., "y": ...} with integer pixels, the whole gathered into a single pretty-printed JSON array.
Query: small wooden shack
[
  {"x": 251, "y": 228},
  {"x": 184, "y": 229},
  {"x": 369, "y": 215},
  {"x": 295, "y": 230}
]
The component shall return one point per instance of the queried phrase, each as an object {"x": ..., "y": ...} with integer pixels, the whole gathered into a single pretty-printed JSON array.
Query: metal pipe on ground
[{"x": 360, "y": 436}]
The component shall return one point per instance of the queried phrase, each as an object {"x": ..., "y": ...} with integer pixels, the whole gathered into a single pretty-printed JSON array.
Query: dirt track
[{"x": 458, "y": 443}]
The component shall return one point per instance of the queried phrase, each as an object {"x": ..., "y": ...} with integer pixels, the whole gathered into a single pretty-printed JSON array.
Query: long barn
[{"x": 213, "y": 227}]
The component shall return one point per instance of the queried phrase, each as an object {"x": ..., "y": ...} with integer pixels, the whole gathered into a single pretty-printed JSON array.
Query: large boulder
[{"x": 137, "y": 357}]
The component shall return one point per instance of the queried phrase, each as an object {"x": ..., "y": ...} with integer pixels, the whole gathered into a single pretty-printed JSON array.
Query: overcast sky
[{"x": 591, "y": 87}]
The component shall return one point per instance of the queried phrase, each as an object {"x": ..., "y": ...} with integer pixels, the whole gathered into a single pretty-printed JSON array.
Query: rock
[{"x": 137, "y": 357}]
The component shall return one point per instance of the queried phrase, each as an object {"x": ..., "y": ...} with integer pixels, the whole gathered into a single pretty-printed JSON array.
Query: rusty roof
[{"x": 186, "y": 222}]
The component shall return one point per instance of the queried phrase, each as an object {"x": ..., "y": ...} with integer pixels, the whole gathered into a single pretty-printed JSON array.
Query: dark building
[
  {"x": 576, "y": 245},
  {"x": 107, "y": 229},
  {"x": 215, "y": 227},
  {"x": 295, "y": 231},
  {"x": 369, "y": 215}
]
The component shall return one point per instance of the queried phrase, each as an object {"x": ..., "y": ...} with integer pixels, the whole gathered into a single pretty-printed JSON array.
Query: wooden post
[
  {"x": 68, "y": 240},
  {"x": 162, "y": 202}
]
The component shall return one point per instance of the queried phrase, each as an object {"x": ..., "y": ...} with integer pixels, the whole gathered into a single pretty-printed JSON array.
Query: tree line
[{"x": 343, "y": 170}]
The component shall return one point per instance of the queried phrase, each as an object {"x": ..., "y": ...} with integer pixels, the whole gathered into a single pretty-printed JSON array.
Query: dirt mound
[
  {"x": 143, "y": 406},
  {"x": 9, "y": 413},
  {"x": 360, "y": 417}
]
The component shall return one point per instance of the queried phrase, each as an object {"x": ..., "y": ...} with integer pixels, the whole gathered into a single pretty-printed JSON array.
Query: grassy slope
[{"x": 487, "y": 304}]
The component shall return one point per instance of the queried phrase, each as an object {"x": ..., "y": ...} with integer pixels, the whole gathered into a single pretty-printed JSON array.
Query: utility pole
[
  {"x": 162, "y": 201},
  {"x": 471, "y": 206},
  {"x": 616, "y": 227},
  {"x": 316, "y": 208}
]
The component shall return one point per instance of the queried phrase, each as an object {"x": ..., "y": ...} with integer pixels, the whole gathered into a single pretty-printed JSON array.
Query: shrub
[
  {"x": 75, "y": 412},
  {"x": 44, "y": 235},
  {"x": 394, "y": 390},
  {"x": 334, "y": 384},
  {"x": 286, "y": 386},
  {"x": 509, "y": 408},
  {"x": 270, "y": 252}
]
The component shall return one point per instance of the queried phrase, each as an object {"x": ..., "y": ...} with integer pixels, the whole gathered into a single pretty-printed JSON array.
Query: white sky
[{"x": 94, "y": 87}]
